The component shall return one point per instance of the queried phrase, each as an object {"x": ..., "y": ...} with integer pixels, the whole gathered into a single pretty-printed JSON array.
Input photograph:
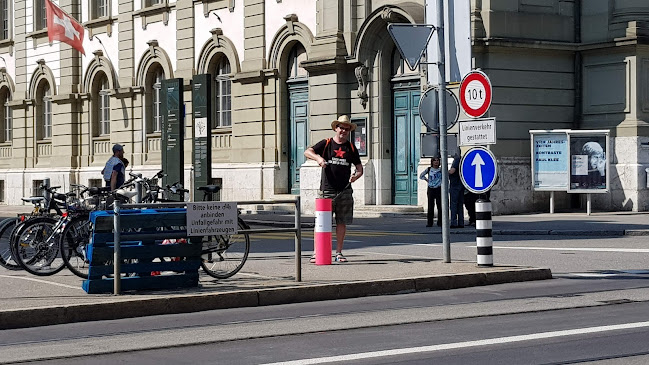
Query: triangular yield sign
[{"x": 411, "y": 40}]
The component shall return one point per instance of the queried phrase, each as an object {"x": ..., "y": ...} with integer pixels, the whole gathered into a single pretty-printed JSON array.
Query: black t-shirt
[
  {"x": 340, "y": 158},
  {"x": 455, "y": 179}
]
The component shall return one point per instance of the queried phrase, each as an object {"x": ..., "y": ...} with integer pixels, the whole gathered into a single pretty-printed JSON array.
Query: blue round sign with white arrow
[{"x": 478, "y": 170}]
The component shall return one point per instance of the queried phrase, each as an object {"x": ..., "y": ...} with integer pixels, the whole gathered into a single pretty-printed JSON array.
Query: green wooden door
[
  {"x": 298, "y": 132},
  {"x": 405, "y": 148}
]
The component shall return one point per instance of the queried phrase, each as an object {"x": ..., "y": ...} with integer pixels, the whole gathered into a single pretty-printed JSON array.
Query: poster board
[{"x": 569, "y": 160}]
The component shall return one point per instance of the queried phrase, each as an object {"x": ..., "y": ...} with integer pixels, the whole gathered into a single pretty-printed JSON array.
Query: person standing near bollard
[
  {"x": 336, "y": 156},
  {"x": 456, "y": 190},
  {"x": 114, "y": 172},
  {"x": 433, "y": 176}
]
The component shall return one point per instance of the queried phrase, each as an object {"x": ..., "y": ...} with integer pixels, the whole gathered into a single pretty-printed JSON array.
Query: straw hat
[{"x": 344, "y": 120}]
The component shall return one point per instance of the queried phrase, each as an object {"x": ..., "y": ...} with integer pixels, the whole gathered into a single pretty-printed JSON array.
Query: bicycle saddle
[
  {"x": 98, "y": 190},
  {"x": 210, "y": 188},
  {"x": 33, "y": 199}
]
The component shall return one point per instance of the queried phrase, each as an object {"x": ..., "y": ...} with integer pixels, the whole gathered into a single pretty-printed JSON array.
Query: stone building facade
[{"x": 282, "y": 70}]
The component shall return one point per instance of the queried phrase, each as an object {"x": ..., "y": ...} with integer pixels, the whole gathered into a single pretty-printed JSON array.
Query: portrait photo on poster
[{"x": 588, "y": 162}]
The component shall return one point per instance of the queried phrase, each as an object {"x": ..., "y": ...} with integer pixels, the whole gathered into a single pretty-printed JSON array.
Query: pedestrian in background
[
  {"x": 114, "y": 171},
  {"x": 336, "y": 156},
  {"x": 456, "y": 190},
  {"x": 433, "y": 176},
  {"x": 469, "y": 203}
]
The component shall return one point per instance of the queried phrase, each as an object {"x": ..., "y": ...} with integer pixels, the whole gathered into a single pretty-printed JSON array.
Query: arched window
[
  {"x": 297, "y": 55},
  {"x": 101, "y": 105},
  {"x": 5, "y": 116},
  {"x": 154, "y": 97},
  {"x": 43, "y": 111},
  {"x": 222, "y": 94}
]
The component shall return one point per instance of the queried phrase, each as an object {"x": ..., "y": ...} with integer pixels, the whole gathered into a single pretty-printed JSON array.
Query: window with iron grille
[
  {"x": 2, "y": 190},
  {"x": 95, "y": 183},
  {"x": 36, "y": 188}
]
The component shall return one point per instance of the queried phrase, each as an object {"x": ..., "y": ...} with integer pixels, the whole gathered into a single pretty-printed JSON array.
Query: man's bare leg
[{"x": 341, "y": 230}]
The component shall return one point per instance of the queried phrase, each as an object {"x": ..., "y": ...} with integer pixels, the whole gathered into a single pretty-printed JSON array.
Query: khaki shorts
[{"x": 342, "y": 205}]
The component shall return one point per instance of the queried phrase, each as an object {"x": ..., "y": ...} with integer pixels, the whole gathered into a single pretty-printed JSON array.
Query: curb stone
[{"x": 130, "y": 308}]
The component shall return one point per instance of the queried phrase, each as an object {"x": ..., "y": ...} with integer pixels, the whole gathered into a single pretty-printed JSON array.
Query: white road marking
[
  {"x": 466, "y": 344},
  {"x": 416, "y": 244},
  {"x": 41, "y": 281},
  {"x": 586, "y": 249}
]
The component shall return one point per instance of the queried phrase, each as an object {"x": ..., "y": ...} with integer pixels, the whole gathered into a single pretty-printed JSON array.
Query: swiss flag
[{"x": 63, "y": 27}]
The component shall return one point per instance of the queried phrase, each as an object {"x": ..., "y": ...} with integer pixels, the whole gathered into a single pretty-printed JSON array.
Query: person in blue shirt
[
  {"x": 114, "y": 172},
  {"x": 433, "y": 176}
]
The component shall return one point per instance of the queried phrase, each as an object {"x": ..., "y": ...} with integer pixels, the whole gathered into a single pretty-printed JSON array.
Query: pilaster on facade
[
  {"x": 330, "y": 39},
  {"x": 185, "y": 39},
  {"x": 254, "y": 57},
  {"x": 126, "y": 36}
]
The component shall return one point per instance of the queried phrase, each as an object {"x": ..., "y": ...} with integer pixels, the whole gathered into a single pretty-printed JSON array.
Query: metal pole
[
  {"x": 117, "y": 254},
  {"x": 138, "y": 187},
  {"x": 588, "y": 204},
  {"x": 443, "y": 148},
  {"x": 298, "y": 240},
  {"x": 552, "y": 202},
  {"x": 46, "y": 194}
]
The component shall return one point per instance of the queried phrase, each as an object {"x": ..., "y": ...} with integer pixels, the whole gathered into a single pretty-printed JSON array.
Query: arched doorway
[
  {"x": 406, "y": 126},
  {"x": 298, "y": 114}
]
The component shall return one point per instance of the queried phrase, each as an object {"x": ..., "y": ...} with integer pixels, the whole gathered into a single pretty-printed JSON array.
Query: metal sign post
[{"x": 443, "y": 147}]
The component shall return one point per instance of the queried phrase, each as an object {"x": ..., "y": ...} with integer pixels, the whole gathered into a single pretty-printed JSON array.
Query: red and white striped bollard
[{"x": 322, "y": 234}]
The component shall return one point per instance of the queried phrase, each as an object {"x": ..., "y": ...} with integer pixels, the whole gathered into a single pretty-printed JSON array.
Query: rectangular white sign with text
[
  {"x": 477, "y": 132},
  {"x": 211, "y": 218}
]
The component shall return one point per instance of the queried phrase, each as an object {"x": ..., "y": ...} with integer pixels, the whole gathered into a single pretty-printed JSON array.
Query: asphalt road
[
  {"x": 565, "y": 320},
  {"x": 593, "y": 312}
]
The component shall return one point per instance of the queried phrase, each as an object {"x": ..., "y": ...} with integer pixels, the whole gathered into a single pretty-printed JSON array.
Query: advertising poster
[
  {"x": 550, "y": 154},
  {"x": 588, "y": 162}
]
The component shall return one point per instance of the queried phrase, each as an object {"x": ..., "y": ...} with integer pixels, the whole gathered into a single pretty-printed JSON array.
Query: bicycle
[
  {"x": 35, "y": 242},
  {"x": 11, "y": 227},
  {"x": 224, "y": 255},
  {"x": 76, "y": 229}
]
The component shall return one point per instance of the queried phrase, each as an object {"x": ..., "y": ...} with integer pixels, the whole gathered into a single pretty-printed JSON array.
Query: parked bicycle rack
[{"x": 117, "y": 235}]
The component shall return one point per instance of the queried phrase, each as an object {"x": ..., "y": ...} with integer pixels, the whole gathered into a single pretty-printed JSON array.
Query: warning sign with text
[{"x": 211, "y": 218}]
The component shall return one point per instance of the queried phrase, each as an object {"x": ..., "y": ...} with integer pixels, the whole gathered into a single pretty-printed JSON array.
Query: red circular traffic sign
[{"x": 475, "y": 94}]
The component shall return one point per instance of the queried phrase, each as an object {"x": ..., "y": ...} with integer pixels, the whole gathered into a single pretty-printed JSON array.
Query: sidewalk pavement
[{"x": 269, "y": 278}]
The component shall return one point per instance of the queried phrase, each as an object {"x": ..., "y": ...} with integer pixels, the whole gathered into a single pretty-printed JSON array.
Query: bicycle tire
[
  {"x": 37, "y": 247},
  {"x": 7, "y": 226},
  {"x": 74, "y": 241},
  {"x": 223, "y": 256}
]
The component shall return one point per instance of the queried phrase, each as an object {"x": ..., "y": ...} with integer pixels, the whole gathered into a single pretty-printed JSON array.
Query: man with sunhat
[
  {"x": 114, "y": 171},
  {"x": 336, "y": 156}
]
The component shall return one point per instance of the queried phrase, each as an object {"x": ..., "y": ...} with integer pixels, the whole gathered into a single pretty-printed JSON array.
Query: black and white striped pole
[{"x": 484, "y": 238}]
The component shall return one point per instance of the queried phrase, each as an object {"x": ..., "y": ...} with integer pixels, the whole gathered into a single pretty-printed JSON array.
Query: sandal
[
  {"x": 340, "y": 257},
  {"x": 312, "y": 259}
]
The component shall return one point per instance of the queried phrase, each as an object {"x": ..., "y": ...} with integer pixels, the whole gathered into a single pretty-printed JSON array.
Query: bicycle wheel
[
  {"x": 6, "y": 259},
  {"x": 74, "y": 241},
  {"x": 37, "y": 247},
  {"x": 223, "y": 256}
]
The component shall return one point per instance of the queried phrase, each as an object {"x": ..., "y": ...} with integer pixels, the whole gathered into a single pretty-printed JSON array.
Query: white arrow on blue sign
[{"x": 478, "y": 170}]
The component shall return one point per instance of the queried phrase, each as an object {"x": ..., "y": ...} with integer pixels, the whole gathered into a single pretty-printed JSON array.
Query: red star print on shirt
[{"x": 340, "y": 153}]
